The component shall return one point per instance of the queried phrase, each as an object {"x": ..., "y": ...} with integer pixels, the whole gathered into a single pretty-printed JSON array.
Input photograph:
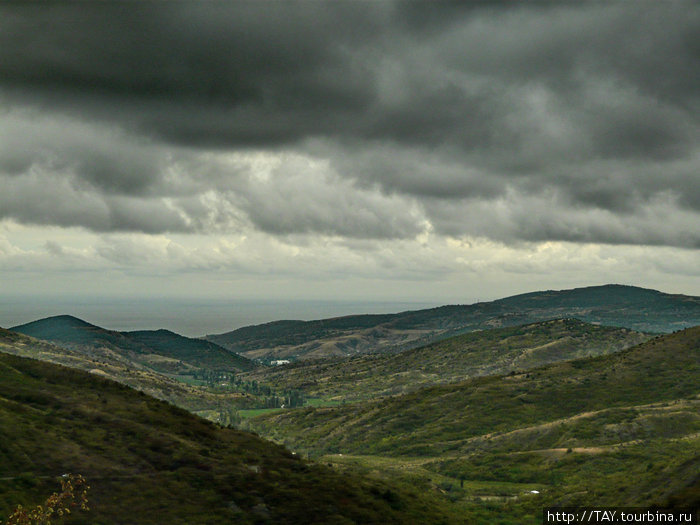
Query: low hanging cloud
[{"x": 508, "y": 121}]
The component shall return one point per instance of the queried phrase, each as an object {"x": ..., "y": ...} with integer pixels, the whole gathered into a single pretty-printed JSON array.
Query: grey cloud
[
  {"x": 651, "y": 44},
  {"x": 78, "y": 175},
  {"x": 298, "y": 197},
  {"x": 420, "y": 110},
  {"x": 251, "y": 73},
  {"x": 54, "y": 248},
  {"x": 96, "y": 156},
  {"x": 36, "y": 199},
  {"x": 182, "y": 60},
  {"x": 416, "y": 172},
  {"x": 47, "y": 200},
  {"x": 144, "y": 215},
  {"x": 517, "y": 218}
]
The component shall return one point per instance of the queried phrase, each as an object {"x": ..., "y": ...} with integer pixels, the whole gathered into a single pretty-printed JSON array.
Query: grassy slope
[
  {"x": 454, "y": 359},
  {"x": 613, "y": 305},
  {"x": 117, "y": 367},
  {"x": 142, "y": 347},
  {"x": 150, "y": 462},
  {"x": 442, "y": 417},
  {"x": 631, "y": 420}
]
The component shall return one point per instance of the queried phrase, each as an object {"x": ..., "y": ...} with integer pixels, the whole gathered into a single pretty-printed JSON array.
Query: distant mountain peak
[{"x": 63, "y": 319}]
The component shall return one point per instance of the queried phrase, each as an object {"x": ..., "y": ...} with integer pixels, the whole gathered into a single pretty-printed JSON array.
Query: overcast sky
[{"x": 348, "y": 150}]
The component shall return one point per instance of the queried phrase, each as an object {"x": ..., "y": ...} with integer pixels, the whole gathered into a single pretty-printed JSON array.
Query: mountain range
[
  {"x": 611, "y": 305},
  {"x": 485, "y": 413}
]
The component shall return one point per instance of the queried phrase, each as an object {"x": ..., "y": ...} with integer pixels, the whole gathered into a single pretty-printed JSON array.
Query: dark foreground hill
[
  {"x": 480, "y": 353},
  {"x": 620, "y": 429},
  {"x": 151, "y": 463},
  {"x": 159, "y": 350},
  {"x": 613, "y": 305}
]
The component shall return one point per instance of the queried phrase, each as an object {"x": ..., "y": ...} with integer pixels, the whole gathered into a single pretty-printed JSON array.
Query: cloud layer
[{"x": 513, "y": 122}]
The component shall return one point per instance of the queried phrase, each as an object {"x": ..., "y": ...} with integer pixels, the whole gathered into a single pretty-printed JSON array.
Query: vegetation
[
  {"x": 161, "y": 464},
  {"x": 172, "y": 388},
  {"x": 466, "y": 413},
  {"x": 446, "y": 417},
  {"x": 612, "y": 305},
  {"x": 454, "y": 359},
  {"x": 73, "y": 496},
  {"x": 214, "y": 394},
  {"x": 272, "y": 398},
  {"x": 157, "y": 350},
  {"x": 619, "y": 429}
]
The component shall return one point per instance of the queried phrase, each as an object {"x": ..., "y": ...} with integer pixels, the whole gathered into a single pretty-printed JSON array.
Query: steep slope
[
  {"x": 614, "y": 305},
  {"x": 150, "y": 463},
  {"x": 159, "y": 350},
  {"x": 480, "y": 353}
]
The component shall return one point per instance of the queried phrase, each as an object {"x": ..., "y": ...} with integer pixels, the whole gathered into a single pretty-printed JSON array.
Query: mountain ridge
[
  {"x": 627, "y": 306},
  {"x": 141, "y": 346},
  {"x": 108, "y": 364}
]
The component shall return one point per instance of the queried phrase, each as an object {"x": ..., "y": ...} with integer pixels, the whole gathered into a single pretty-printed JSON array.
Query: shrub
[{"x": 73, "y": 495}]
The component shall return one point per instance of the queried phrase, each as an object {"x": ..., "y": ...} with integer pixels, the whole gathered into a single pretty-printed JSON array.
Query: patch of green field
[
  {"x": 253, "y": 412},
  {"x": 422, "y": 472}
]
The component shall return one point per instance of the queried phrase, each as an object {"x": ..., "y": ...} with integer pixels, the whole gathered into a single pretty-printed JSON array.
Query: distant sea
[{"x": 193, "y": 318}]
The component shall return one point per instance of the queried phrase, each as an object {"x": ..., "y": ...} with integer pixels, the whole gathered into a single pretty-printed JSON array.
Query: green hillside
[
  {"x": 69, "y": 330},
  {"x": 159, "y": 350},
  {"x": 443, "y": 418},
  {"x": 612, "y": 305},
  {"x": 149, "y": 462},
  {"x": 487, "y": 352},
  {"x": 619, "y": 429},
  {"x": 199, "y": 352},
  {"x": 118, "y": 367}
]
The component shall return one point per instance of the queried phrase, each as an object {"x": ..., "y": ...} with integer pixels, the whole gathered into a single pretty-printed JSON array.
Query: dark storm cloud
[
  {"x": 432, "y": 105},
  {"x": 161, "y": 66},
  {"x": 277, "y": 72}
]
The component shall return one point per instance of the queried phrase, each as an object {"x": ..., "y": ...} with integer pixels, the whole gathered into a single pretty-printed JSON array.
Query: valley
[
  {"x": 336, "y": 262},
  {"x": 484, "y": 422},
  {"x": 149, "y": 462},
  {"x": 619, "y": 429}
]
